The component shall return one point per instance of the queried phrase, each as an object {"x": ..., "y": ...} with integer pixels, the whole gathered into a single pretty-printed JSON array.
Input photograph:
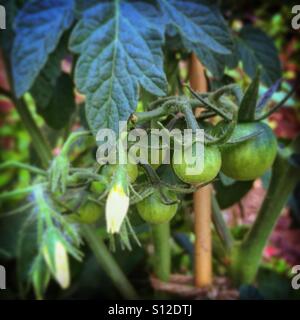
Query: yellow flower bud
[{"x": 58, "y": 263}]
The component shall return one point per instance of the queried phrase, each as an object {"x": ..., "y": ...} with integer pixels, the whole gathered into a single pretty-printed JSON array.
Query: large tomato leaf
[
  {"x": 202, "y": 29},
  {"x": 39, "y": 27},
  {"x": 120, "y": 47},
  {"x": 257, "y": 49}
]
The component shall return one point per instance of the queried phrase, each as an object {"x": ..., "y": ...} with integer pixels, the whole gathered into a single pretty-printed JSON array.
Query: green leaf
[
  {"x": 249, "y": 102},
  {"x": 39, "y": 27},
  {"x": 120, "y": 48},
  {"x": 40, "y": 276},
  {"x": 198, "y": 22},
  {"x": 44, "y": 85},
  {"x": 266, "y": 97},
  {"x": 202, "y": 29},
  {"x": 61, "y": 106},
  {"x": 48, "y": 247},
  {"x": 227, "y": 195},
  {"x": 26, "y": 250},
  {"x": 58, "y": 173},
  {"x": 257, "y": 49}
]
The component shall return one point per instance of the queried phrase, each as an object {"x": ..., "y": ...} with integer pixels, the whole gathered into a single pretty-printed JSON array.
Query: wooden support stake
[{"x": 202, "y": 200}]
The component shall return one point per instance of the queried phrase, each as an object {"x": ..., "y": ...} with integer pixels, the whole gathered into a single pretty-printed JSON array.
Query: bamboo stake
[{"x": 202, "y": 199}]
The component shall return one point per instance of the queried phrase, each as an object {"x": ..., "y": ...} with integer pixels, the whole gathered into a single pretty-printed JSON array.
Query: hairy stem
[
  {"x": 40, "y": 143},
  {"x": 71, "y": 139},
  {"x": 190, "y": 118},
  {"x": 246, "y": 256},
  {"x": 277, "y": 106},
  {"x": 220, "y": 225},
  {"x": 141, "y": 117},
  {"x": 162, "y": 252},
  {"x": 20, "y": 165},
  {"x": 108, "y": 263}
]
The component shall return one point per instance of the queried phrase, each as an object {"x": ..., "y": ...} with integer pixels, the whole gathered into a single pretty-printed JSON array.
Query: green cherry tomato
[
  {"x": 90, "y": 212},
  {"x": 154, "y": 211},
  {"x": 250, "y": 159},
  {"x": 132, "y": 171},
  {"x": 212, "y": 166},
  {"x": 98, "y": 187}
]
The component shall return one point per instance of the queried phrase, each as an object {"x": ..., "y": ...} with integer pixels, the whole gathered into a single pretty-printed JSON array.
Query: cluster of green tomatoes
[{"x": 244, "y": 160}]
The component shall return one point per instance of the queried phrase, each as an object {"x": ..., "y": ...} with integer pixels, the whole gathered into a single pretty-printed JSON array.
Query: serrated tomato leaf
[
  {"x": 202, "y": 29},
  {"x": 198, "y": 22},
  {"x": 257, "y": 49},
  {"x": 39, "y": 27},
  {"x": 120, "y": 48}
]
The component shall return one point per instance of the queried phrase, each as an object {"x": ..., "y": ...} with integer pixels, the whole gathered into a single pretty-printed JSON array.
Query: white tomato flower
[{"x": 117, "y": 205}]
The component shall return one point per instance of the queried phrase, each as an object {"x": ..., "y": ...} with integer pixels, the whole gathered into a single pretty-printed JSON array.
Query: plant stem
[
  {"x": 71, "y": 139},
  {"x": 246, "y": 256},
  {"x": 278, "y": 105},
  {"x": 162, "y": 251},
  {"x": 190, "y": 118},
  {"x": 20, "y": 192},
  {"x": 108, "y": 263},
  {"x": 141, "y": 117},
  {"x": 20, "y": 165},
  {"x": 39, "y": 141},
  {"x": 208, "y": 105},
  {"x": 220, "y": 225}
]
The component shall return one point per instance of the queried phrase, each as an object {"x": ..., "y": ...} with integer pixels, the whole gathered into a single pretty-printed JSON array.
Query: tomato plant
[{"x": 92, "y": 81}]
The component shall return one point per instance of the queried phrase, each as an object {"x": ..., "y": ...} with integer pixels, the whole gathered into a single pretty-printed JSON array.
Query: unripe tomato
[
  {"x": 90, "y": 212},
  {"x": 211, "y": 167},
  {"x": 132, "y": 171},
  {"x": 98, "y": 187},
  {"x": 154, "y": 211},
  {"x": 250, "y": 159}
]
